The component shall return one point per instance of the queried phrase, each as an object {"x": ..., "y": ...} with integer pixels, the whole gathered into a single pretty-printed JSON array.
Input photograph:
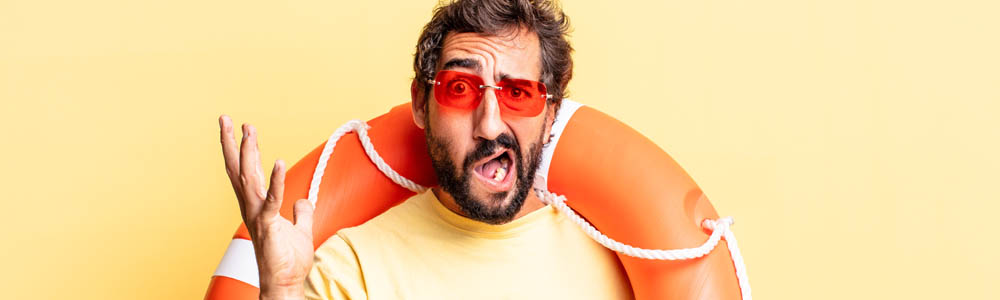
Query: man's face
[{"x": 484, "y": 160}]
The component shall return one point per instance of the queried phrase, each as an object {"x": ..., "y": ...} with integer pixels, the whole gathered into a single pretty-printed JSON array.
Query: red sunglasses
[{"x": 464, "y": 91}]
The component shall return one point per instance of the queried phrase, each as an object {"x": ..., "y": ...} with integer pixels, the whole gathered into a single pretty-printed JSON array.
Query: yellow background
[{"x": 856, "y": 142}]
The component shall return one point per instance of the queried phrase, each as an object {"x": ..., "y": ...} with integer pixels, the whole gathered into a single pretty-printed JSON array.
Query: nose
[{"x": 489, "y": 125}]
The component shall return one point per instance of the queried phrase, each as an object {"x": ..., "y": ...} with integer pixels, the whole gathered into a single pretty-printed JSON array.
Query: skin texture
[
  {"x": 514, "y": 54},
  {"x": 284, "y": 248}
]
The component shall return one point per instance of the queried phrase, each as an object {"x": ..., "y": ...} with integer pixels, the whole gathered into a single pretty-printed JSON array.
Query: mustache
[{"x": 485, "y": 148}]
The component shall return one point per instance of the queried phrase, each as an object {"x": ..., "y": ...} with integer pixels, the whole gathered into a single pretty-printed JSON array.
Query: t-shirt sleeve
[{"x": 336, "y": 272}]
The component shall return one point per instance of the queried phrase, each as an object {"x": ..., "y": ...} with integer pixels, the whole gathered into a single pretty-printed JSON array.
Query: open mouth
[{"x": 497, "y": 170}]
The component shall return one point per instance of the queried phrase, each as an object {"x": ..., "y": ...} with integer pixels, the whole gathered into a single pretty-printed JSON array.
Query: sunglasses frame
[{"x": 499, "y": 87}]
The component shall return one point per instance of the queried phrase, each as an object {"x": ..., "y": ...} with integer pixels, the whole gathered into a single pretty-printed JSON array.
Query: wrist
[{"x": 292, "y": 292}]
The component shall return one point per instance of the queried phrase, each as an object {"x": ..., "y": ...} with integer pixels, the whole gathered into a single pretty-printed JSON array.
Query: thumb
[{"x": 304, "y": 215}]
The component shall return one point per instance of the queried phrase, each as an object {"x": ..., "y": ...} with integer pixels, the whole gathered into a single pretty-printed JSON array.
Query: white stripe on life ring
[
  {"x": 239, "y": 262},
  {"x": 566, "y": 111}
]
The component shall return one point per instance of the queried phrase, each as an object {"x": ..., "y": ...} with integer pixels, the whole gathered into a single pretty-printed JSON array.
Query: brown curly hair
[{"x": 492, "y": 17}]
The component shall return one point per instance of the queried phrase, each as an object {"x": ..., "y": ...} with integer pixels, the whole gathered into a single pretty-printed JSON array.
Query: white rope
[
  {"x": 734, "y": 253},
  {"x": 720, "y": 228},
  {"x": 362, "y": 128}
]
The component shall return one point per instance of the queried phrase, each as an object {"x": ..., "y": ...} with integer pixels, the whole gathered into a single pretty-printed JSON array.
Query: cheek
[
  {"x": 527, "y": 131},
  {"x": 456, "y": 129}
]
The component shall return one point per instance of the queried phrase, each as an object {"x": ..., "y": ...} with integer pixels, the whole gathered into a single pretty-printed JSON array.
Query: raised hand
[{"x": 284, "y": 250}]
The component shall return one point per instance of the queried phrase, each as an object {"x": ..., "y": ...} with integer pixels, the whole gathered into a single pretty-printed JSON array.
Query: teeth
[{"x": 500, "y": 173}]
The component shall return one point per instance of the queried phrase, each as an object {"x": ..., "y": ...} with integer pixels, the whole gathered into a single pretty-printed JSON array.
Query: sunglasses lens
[
  {"x": 523, "y": 98},
  {"x": 462, "y": 91},
  {"x": 458, "y": 90}
]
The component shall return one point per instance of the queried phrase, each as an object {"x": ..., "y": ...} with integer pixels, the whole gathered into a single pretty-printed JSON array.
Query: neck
[{"x": 531, "y": 203}]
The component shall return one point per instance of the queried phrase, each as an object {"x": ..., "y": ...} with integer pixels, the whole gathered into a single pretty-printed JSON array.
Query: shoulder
[
  {"x": 344, "y": 249},
  {"x": 339, "y": 263},
  {"x": 338, "y": 268},
  {"x": 336, "y": 272},
  {"x": 404, "y": 219}
]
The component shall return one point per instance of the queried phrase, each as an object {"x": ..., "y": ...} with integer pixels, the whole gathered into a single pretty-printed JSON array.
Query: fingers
[
  {"x": 260, "y": 173},
  {"x": 231, "y": 158},
  {"x": 304, "y": 215},
  {"x": 250, "y": 175},
  {"x": 273, "y": 202},
  {"x": 229, "y": 146}
]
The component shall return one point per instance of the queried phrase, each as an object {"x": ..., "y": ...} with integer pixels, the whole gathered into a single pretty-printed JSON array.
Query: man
[{"x": 489, "y": 77}]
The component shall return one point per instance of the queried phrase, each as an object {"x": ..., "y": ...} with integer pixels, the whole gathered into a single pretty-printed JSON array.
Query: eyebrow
[{"x": 469, "y": 63}]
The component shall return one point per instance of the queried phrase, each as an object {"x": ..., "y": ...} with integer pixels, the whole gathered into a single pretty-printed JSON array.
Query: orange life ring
[{"x": 656, "y": 204}]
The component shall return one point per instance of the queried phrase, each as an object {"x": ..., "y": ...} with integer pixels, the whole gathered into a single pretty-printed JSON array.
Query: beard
[{"x": 457, "y": 180}]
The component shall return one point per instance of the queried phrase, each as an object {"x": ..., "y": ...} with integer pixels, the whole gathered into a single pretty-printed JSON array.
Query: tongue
[{"x": 489, "y": 168}]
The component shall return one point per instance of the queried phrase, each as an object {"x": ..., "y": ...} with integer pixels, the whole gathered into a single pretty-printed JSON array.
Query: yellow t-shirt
[{"x": 421, "y": 250}]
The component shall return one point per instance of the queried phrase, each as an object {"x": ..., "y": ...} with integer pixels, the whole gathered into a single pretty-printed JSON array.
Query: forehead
[{"x": 514, "y": 53}]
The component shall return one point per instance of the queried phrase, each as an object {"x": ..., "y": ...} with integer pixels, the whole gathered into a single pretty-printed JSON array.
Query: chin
[
  {"x": 491, "y": 208},
  {"x": 495, "y": 201},
  {"x": 491, "y": 182}
]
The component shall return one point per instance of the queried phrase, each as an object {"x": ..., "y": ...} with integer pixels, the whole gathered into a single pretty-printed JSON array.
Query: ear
[
  {"x": 417, "y": 101},
  {"x": 550, "y": 118}
]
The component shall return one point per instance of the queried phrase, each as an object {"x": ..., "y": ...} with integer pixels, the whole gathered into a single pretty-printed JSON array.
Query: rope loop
[
  {"x": 719, "y": 227},
  {"x": 362, "y": 128}
]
